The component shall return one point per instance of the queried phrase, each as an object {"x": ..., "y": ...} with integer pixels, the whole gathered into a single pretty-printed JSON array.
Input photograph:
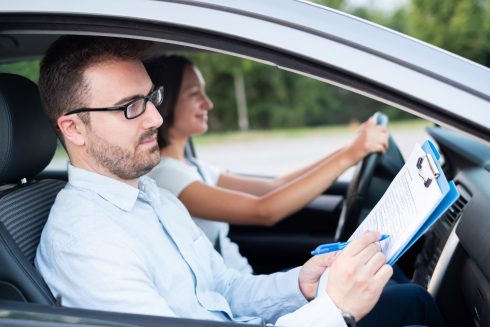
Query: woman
[{"x": 215, "y": 197}]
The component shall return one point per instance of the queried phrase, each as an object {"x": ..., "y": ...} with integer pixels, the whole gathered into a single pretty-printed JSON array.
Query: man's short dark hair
[{"x": 61, "y": 79}]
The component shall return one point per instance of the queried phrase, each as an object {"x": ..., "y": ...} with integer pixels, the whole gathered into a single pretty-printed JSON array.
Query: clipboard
[{"x": 449, "y": 195}]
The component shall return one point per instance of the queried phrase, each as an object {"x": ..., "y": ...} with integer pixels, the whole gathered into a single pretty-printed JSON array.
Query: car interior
[{"x": 450, "y": 259}]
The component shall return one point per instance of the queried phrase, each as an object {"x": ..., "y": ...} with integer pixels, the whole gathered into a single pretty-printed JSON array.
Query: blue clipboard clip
[{"x": 448, "y": 191}]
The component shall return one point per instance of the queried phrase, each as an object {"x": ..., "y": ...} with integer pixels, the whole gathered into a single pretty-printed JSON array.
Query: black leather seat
[{"x": 27, "y": 145}]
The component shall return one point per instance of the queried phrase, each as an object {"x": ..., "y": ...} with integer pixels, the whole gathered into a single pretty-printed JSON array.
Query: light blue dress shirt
[
  {"x": 175, "y": 176},
  {"x": 110, "y": 246}
]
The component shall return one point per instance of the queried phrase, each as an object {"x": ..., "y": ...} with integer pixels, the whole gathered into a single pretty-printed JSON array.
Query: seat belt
[{"x": 193, "y": 161}]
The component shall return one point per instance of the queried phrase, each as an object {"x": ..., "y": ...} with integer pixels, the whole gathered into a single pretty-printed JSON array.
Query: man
[{"x": 114, "y": 241}]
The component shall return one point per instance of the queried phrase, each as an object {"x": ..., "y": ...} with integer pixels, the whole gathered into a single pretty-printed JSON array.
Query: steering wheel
[{"x": 361, "y": 194}]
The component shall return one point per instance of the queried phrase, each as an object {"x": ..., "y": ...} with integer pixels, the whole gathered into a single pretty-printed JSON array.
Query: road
[{"x": 276, "y": 156}]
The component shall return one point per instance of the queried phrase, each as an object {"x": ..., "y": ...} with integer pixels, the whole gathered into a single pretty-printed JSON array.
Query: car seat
[{"x": 27, "y": 145}]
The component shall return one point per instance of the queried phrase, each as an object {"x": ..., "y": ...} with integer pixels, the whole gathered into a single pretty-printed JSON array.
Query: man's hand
[
  {"x": 357, "y": 275},
  {"x": 370, "y": 138},
  {"x": 311, "y": 272}
]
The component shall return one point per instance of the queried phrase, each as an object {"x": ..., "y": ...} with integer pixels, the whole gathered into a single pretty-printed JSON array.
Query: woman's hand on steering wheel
[
  {"x": 370, "y": 137},
  {"x": 370, "y": 144}
]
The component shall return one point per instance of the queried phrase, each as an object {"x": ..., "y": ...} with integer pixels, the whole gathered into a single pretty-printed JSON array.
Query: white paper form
[{"x": 405, "y": 205}]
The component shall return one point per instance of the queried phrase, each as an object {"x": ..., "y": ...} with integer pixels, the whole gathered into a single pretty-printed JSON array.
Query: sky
[{"x": 386, "y": 5}]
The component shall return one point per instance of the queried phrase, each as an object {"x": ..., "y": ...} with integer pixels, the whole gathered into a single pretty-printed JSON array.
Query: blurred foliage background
[{"x": 460, "y": 26}]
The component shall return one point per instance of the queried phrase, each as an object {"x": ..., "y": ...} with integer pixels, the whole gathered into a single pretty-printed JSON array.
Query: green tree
[
  {"x": 219, "y": 71},
  {"x": 461, "y": 26},
  {"x": 28, "y": 68}
]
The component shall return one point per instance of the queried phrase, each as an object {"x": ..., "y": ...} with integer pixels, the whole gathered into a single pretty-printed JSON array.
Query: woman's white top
[{"x": 174, "y": 176}]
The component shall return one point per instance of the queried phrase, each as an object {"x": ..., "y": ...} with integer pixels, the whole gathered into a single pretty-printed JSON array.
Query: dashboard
[{"x": 453, "y": 263}]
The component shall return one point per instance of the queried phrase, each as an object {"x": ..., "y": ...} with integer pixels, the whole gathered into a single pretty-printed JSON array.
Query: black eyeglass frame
[{"x": 123, "y": 107}]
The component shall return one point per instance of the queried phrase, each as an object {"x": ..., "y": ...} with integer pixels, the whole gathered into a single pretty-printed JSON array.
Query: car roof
[{"x": 444, "y": 87}]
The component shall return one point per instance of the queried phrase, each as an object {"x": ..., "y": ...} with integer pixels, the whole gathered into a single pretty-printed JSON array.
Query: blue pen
[{"x": 332, "y": 247}]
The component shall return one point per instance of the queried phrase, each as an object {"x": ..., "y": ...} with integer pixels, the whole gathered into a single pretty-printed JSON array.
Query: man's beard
[{"x": 122, "y": 162}]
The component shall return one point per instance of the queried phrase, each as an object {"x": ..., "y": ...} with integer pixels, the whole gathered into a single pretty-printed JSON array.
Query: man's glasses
[{"x": 133, "y": 109}]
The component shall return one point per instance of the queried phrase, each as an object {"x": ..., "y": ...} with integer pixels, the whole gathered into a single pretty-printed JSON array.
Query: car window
[
  {"x": 267, "y": 121},
  {"x": 26, "y": 68},
  {"x": 290, "y": 120},
  {"x": 59, "y": 161}
]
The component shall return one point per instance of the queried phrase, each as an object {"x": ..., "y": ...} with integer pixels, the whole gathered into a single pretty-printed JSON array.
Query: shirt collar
[{"x": 118, "y": 193}]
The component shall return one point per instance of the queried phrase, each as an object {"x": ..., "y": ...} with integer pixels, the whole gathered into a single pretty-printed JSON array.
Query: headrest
[{"x": 27, "y": 140}]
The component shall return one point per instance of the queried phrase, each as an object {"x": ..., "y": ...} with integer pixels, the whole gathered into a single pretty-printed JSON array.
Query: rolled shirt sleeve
[
  {"x": 321, "y": 312},
  {"x": 276, "y": 298}
]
